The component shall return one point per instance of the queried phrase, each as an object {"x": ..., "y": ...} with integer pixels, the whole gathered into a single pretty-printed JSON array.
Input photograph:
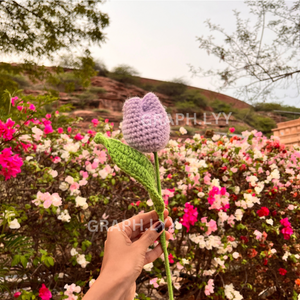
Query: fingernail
[{"x": 159, "y": 227}]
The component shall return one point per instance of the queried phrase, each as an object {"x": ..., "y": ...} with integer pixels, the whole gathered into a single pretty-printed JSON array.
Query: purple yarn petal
[{"x": 146, "y": 125}]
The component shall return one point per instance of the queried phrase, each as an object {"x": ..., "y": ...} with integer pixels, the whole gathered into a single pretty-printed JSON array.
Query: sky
[{"x": 159, "y": 38}]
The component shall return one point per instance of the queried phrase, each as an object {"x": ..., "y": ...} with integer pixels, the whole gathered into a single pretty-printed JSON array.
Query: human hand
[{"x": 125, "y": 254}]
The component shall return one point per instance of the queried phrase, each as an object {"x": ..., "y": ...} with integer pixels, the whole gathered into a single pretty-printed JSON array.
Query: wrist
[{"x": 112, "y": 286}]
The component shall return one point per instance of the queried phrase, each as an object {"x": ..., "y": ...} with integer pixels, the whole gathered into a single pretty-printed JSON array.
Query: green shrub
[
  {"x": 187, "y": 107},
  {"x": 101, "y": 69},
  {"x": 220, "y": 106},
  {"x": 172, "y": 88},
  {"x": 97, "y": 90},
  {"x": 192, "y": 97},
  {"x": 124, "y": 74}
]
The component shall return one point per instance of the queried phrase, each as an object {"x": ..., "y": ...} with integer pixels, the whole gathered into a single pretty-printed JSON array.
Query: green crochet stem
[
  {"x": 163, "y": 235},
  {"x": 138, "y": 166}
]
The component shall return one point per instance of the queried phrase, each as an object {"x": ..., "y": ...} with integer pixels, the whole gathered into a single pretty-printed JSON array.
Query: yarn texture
[
  {"x": 145, "y": 126},
  {"x": 135, "y": 164}
]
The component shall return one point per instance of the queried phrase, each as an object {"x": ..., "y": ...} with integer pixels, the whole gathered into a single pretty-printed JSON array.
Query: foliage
[
  {"x": 124, "y": 74},
  {"x": 101, "y": 68},
  {"x": 235, "y": 200},
  {"x": 192, "y": 100},
  {"x": 218, "y": 106},
  {"x": 172, "y": 88},
  {"x": 258, "y": 121},
  {"x": 42, "y": 28},
  {"x": 259, "y": 57}
]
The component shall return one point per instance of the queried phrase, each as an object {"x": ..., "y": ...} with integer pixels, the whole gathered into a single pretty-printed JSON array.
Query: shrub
[
  {"x": 193, "y": 99},
  {"x": 172, "y": 88},
  {"x": 101, "y": 68},
  {"x": 236, "y": 202},
  {"x": 124, "y": 74},
  {"x": 220, "y": 106}
]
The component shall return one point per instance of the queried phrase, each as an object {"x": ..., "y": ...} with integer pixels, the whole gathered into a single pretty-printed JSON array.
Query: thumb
[{"x": 151, "y": 235}]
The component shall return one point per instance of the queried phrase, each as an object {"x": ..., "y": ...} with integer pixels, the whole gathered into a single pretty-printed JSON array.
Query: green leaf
[
  {"x": 50, "y": 261},
  {"x": 24, "y": 261},
  {"x": 15, "y": 260},
  {"x": 135, "y": 164}
]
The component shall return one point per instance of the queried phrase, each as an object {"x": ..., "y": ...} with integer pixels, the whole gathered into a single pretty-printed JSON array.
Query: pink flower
[
  {"x": 282, "y": 271},
  {"x": 108, "y": 133},
  {"x": 48, "y": 129},
  {"x": 10, "y": 163},
  {"x": 17, "y": 294},
  {"x": 60, "y": 130},
  {"x": 45, "y": 293},
  {"x": 285, "y": 222},
  {"x": 19, "y": 108},
  {"x": 48, "y": 116},
  {"x": 7, "y": 130},
  {"x": 154, "y": 282},
  {"x": 209, "y": 288},
  {"x": 137, "y": 203},
  {"x": 232, "y": 129},
  {"x": 32, "y": 107},
  {"x": 95, "y": 122},
  {"x": 190, "y": 216},
  {"x": 13, "y": 100},
  {"x": 78, "y": 137},
  {"x": 171, "y": 260},
  {"x": 69, "y": 129},
  {"x": 106, "y": 121}
]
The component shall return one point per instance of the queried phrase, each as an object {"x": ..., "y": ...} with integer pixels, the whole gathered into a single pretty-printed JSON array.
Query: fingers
[
  {"x": 155, "y": 253},
  {"x": 151, "y": 235},
  {"x": 137, "y": 224},
  {"x": 138, "y": 233}
]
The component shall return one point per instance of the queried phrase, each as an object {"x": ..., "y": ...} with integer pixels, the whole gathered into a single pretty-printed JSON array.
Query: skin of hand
[{"x": 125, "y": 254}]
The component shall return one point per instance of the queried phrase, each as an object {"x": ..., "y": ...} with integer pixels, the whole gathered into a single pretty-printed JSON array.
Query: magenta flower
[
  {"x": 285, "y": 222},
  {"x": 171, "y": 258},
  {"x": 78, "y": 137},
  {"x": 60, "y": 130},
  {"x": 32, "y": 107},
  {"x": 48, "y": 129},
  {"x": 7, "y": 130},
  {"x": 17, "y": 294},
  {"x": 145, "y": 124},
  {"x": 190, "y": 216},
  {"x": 45, "y": 293},
  {"x": 232, "y": 129},
  {"x": 10, "y": 163}
]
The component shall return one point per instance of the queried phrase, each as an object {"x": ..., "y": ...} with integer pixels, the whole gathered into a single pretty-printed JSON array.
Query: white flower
[
  {"x": 182, "y": 130},
  {"x": 200, "y": 194},
  {"x": 14, "y": 224},
  {"x": 61, "y": 275},
  {"x": 63, "y": 186},
  {"x": 269, "y": 221},
  {"x": 81, "y": 260},
  {"x": 64, "y": 216},
  {"x": 73, "y": 252},
  {"x": 91, "y": 282},
  {"x": 149, "y": 202},
  {"x": 53, "y": 173},
  {"x": 235, "y": 255},
  {"x": 69, "y": 179},
  {"x": 178, "y": 225},
  {"x": 236, "y": 190},
  {"x": 185, "y": 261},
  {"x": 81, "y": 201},
  {"x": 238, "y": 214},
  {"x": 216, "y": 137},
  {"x": 28, "y": 158},
  {"x": 148, "y": 267}
]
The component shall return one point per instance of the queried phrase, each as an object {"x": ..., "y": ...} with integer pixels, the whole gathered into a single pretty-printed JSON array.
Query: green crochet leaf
[{"x": 135, "y": 164}]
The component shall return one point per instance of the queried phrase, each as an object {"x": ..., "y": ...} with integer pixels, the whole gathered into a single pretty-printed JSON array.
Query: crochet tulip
[
  {"x": 146, "y": 128},
  {"x": 145, "y": 125}
]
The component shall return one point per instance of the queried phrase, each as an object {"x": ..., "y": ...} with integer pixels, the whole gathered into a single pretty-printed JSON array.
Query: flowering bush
[{"x": 235, "y": 202}]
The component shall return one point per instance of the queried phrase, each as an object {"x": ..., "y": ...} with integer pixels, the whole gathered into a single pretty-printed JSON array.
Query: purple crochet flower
[{"x": 146, "y": 125}]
